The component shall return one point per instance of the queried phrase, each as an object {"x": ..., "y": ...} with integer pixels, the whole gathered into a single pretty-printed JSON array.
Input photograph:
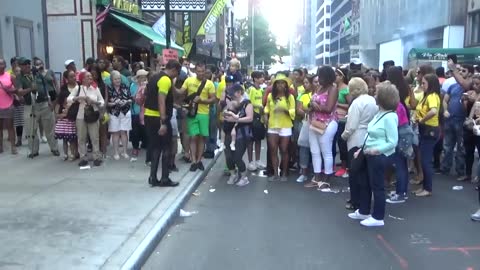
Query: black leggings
[
  {"x": 19, "y": 131},
  {"x": 234, "y": 159},
  {"x": 342, "y": 144},
  {"x": 158, "y": 146},
  {"x": 137, "y": 134}
]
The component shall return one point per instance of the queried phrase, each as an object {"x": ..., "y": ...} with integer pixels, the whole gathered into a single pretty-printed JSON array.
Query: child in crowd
[
  {"x": 65, "y": 129},
  {"x": 229, "y": 128}
]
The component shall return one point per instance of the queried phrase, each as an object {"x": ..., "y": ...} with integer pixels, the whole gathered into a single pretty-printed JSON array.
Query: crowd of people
[{"x": 384, "y": 126}]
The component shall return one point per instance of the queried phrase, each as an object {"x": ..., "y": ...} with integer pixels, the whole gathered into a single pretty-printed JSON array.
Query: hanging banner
[
  {"x": 175, "y": 5},
  {"x": 187, "y": 28},
  {"x": 160, "y": 27},
  {"x": 212, "y": 17},
  {"x": 230, "y": 41}
]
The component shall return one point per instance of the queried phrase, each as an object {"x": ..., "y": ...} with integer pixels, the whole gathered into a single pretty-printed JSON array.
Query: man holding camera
[{"x": 38, "y": 107}]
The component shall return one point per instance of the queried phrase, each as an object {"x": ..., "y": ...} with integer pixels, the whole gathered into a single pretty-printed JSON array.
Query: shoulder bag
[
  {"x": 192, "y": 106},
  {"x": 90, "y": 115},
  {"x": 359, "y": 163},
  {"x": 73, "y": 110}
]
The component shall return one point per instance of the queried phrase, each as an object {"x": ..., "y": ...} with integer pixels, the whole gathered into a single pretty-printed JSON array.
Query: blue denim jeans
[
  {"x": 401, "y": 173},
  {"x": 427, "y": 144},
  {"x": 304, "y": 157},
  {"x": 376, "y": 166},
  {"x": 211, "y": 142},
  {"x": 453, "y": 131}
]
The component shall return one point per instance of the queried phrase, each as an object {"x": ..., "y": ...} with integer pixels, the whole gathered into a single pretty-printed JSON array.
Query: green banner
[
  {"x": 187, "y": 35},
  {"x": 212, "y": 17}
]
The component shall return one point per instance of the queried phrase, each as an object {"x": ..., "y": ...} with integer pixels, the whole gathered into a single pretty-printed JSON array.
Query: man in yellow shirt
[
  {"x": 201, "y": 93},
  {"x": 158, "y": 112}
]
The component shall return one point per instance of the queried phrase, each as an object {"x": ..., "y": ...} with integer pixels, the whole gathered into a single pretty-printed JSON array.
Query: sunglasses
[{"x": 463, "y": 70}]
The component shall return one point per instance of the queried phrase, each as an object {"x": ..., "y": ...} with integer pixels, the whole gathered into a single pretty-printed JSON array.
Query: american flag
[{"x": 102, "y": 16}]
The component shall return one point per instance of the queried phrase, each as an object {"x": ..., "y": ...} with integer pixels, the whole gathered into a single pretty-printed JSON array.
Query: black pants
[
  {"x": 234, "y": 159},
  {"x": 470, "y": 141},
  {"x": 158, "y": 146},
  {"x": 342, "y": 144},
  {"x": 356, "y": 181},
  {"x": 138, "y": 133},
  {"x": 437, "y": 152}
]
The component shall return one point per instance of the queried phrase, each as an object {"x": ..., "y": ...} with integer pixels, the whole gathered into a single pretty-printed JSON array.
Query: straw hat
[{"x": 282, "y": 77}]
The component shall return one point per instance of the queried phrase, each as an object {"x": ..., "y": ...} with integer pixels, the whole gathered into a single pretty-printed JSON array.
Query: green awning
[
  {"x": 434, "y": 54},
  {"x": 159, "y": 41}
]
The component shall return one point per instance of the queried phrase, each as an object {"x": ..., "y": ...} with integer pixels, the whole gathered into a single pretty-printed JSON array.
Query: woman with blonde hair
[
  {"x": 380, "y": 143},
  {"x": 361, "y": 111}
]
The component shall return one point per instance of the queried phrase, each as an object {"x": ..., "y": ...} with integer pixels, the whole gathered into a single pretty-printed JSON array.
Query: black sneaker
[
  {"x": 193, "y": 167},
  {"x": 97, "y": 162},
  {"x": 200, "y": 166},
  {"x": 83, "y": 163},
  {"x": 56, "y": 153},
  {"x": 32, "y": 156},
  {"x": 167, "y": 183}
]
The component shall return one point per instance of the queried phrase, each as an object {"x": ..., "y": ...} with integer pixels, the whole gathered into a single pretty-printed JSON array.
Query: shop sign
[
  {"x": 169, "y": 54},
  {"x": 126, "y": 6},
  {"x": 230, "y": 40}
]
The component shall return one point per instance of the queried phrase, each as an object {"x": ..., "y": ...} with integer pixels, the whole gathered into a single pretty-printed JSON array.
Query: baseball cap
[
  {"x": 68, "y": 62},
  {"x": 23, "y": 61}
]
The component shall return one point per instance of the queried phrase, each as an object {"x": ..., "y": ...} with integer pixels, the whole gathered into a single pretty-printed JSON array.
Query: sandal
[
  {"x": 311, "y": 184},
  {"x": 322, "y": 185}
]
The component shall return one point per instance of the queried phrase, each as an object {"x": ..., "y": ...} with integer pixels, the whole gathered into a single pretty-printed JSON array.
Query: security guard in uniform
[{"x": 158, "y": 112}]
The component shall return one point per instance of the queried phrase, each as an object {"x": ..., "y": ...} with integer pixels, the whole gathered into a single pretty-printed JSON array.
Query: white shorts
[
  {"x": 122, "y": 122},
  {"x": 282, "y": 132}
]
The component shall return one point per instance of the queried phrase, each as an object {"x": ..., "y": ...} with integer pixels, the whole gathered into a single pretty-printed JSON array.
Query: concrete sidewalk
[{"x": 55, "y": 216}]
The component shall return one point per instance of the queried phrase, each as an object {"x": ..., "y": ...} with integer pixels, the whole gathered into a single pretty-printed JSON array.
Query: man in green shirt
[{"x": 38, "y": 107}]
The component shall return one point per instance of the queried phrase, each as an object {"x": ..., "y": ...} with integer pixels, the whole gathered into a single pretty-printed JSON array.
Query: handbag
[
  {"x": 405, "y": 141},
  {"x": 193, "y": 106},
  {"x": 258, "y": 128},
  {"x": 318, "y": 126},
  {"x": 73, "y": 110},
  {"x": 303, "y": 137},
  {"x": 90, "y": 115},
  {"x": 359, "y": 163}
]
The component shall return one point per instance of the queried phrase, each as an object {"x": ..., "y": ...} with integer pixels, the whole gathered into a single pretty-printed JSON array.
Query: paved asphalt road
[{"x": 292, "y": 227}]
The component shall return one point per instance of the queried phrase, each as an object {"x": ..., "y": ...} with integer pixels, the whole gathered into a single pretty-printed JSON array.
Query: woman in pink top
[
  {"x": 7, "y": 89},
  {"x": 323, "y": 106},
  {"x": 405, "y": 136}
]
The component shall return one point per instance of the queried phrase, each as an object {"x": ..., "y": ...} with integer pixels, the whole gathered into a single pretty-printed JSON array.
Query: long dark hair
[
  {"x": 100, "y": 82},
  {"x": 395, "y": 76},
  {"x": 433, "y": 85},
  {"x": 275, "y": 91}
]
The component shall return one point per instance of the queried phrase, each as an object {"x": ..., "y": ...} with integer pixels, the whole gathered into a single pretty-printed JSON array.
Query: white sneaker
[
  {"x": 357, "y": 215},
  {"x": 345, "y": 175},
  {"x": 476, "y": 216},
  {"x": 371, "y": 222},
  {"x": 301, "y": 179},
  {"x": 260, "y": 165},
  {"x": 125, "y": 156},
  {"x": 252, "y": 166},
  {"x": 221, "y": 147},
  {"x": 232, "y": 146},
  {"x": 233, "y": 178},
  {"x": 44, "y": 139},
  {"x": 116, "y": 157},
  {"x": 243, "y": 182}
]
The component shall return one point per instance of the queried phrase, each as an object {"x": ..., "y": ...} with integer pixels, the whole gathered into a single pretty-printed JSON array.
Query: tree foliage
[{"x": 265, "y": 43}]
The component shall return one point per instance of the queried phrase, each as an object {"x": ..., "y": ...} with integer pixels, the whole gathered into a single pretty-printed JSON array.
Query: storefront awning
[
  {"x": 159, "y": 41},
  {"x": 438, "y": 54}
]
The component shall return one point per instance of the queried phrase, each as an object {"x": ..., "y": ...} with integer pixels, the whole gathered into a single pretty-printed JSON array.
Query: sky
[{"x": 280, "y": 14}]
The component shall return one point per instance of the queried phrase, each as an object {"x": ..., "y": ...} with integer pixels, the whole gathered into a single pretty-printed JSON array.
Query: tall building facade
[
  {"x": 333, "y": 32},
  {"x": 472, "y": 31},
  {"x": 391, "y": 28}
]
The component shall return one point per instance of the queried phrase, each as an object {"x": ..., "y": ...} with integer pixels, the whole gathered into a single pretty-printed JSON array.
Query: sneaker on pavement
[
  {"x": 193, "y": 167},
  {"x": 340, "y": 172},
  {"x": 252, "y": 166},
  {"x": 301, "y": 179},
  {"x": 274, "y": 178},
  {"x": 371, "y": 222},
  {"x": 167, "y": 183},
  {"x": 476, "y": 216},
  {"x": 345, "y": 175},
  {"x": 116, "y": 157},
  {"x": 357, "y": 215},
  {"x": 200, "y": 166},
  {"x": 232, "y": 179},
  {"x": 284, "y": 179},
  {"x": 260, "y": 165},
  {"x": 243, "y": 182},
  {"x": 83, "y": 163},
  {"x": 97, "y": 162},
  {"x": 396, "y": 198},
  {"x": 44, "y": 139}
]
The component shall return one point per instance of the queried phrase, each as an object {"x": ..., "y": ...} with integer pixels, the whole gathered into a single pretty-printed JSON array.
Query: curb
[{"x": 153, "y": 238}]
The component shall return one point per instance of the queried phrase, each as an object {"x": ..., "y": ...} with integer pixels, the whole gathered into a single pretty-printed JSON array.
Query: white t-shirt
[{"x": 447, "y": 83}]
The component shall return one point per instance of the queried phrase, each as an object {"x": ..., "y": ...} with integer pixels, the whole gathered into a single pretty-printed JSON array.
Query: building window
[
  {"x": 327, "y": 47},
  {"x": 327, "y": 22},
  {"x": 327, "y": 35},
  {"x": 474, "y": 29},
  {"x": 327, "y": 9}
]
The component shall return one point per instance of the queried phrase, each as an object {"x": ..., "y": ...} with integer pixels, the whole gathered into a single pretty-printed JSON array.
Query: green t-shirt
[{"x": 342, "y": 95}]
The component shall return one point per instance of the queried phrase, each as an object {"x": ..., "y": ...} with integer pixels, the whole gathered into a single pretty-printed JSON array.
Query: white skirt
[{"x": 122, "y": 122}]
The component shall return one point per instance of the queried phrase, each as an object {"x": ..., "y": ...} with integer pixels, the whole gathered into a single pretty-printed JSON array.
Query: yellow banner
[
  {"x": 126, "y": 6},
  {"x": 212, "y": 17}
]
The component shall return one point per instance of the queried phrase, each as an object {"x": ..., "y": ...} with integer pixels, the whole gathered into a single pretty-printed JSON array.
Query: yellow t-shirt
[
  {"x": 192, "y": 84},
  {"x": 305, "y": 100},
  {"x": 423, "y": 107},
  {"x": 105, "y": 74},
  {"x": 280, "y": 120},
  {"x": 164, "y": 86},
  {"x": 256, "y": 98},
  {"x": 221, "y": 88},
  {"x": 300, "y": 90}
]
